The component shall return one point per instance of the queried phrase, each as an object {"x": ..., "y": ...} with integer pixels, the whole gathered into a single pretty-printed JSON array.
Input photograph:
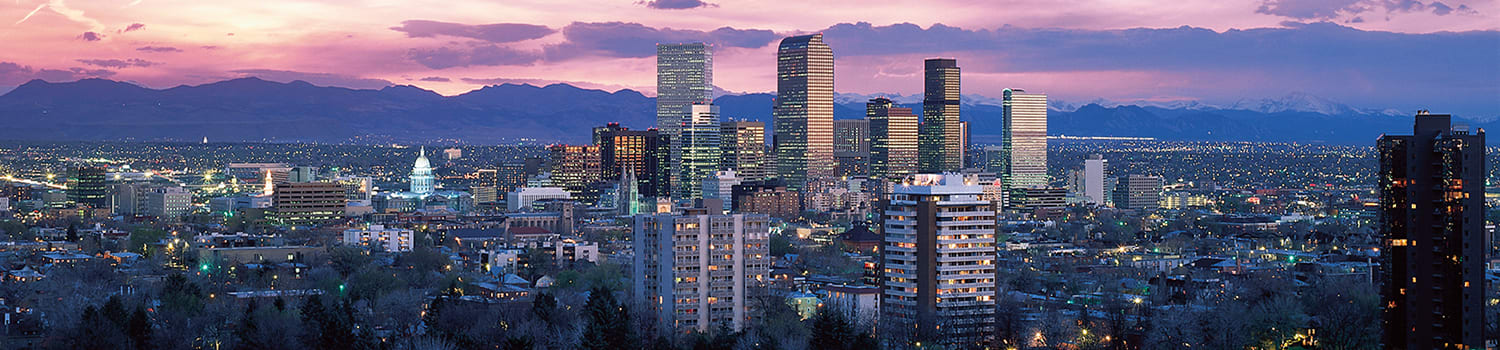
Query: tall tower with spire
[{"x": 421, "y": 175}]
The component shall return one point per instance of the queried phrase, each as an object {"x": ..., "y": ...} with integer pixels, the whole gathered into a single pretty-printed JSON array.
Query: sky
[{"x": 1442, "y": 55}]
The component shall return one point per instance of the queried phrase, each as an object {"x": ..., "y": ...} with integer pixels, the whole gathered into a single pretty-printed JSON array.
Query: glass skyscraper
[
  {"x": 804, "y": 110},
  {"x": 743, "y": 145},
  {"x": 941, "y": 139},
  {"x": 684, "y": 76},
  {"x": 1025, "y": 139}
]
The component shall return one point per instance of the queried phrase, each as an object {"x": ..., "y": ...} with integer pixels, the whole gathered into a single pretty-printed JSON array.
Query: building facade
[
  {"x": 743, "y": 145},
  {"x": 422, "y": 181},
  {"x": 803, "y": 110},
  {"x": 1095, "y": 168},
  {"x": 389, "y": 239},
  {"x": 308, "y": 203},
  {"x": 86, "y": 187},
  {"x": 645, "y": 153},
  {"x": 695, "y": 272},
  {"x": 1431, "y": 187},
  {"x": 699, "y": 149}
]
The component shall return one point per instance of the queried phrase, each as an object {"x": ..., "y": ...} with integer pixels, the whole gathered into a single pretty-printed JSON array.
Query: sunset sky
[{"x": 1442, "y": 55}]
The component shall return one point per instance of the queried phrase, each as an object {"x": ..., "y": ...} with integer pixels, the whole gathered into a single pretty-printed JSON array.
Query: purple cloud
[
  {"x": 436, "y": 79},
  {"x": 495, "y": 33},
  {"x": 676, "y": 4},
  {"x": 320, "y": 79},
  {"x": 118, "y": 63},
  {"x": 91, "y": 36},
  {"x": 158, "y": 49},
  {"x": 485, "y": 55},
  {"x": 621, "y": 39},
  {"x": 1330, "y": 9},
  {"x": 133, "y": 27}
]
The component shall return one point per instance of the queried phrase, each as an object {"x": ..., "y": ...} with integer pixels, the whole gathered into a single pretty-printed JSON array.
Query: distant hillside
[{"x": 251, "y": 109}]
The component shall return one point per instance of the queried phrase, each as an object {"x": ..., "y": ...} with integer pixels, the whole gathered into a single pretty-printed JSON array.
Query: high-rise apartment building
[
  {"x": 86, "y": 187},
  {"x": 1025, "y": 139},
  {"x": 1138, "y": 192},
  {"x": 743, "y": 146},
  {"x": 695, "y": 272},
  {"x": 1095, "y": 168},
  {"x": 941, "y": 147},
  {"x": 851, "y": 147},
  {"x": 645, "y": 153},
  {"x": 700, "y": 151},
  {"x": 1432, "y": 209},
  {"x": 938, "y": 261},
  {"x": 804, "y": 110},
  {"x": 893, "y": 139}
]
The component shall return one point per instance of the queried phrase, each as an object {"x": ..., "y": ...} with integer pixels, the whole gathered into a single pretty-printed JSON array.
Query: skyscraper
[
  {"x": 1094, "y": 168},
  {"x": 694, "y": 272},
  {"x": 1025, "y": 139},
  {"x": 743, "y": 145},
  {"x": 576, "y": 168},
  {"x": 422, "y": 181},
  {"x": 941, "y": 135},
  {"x": 684, "y": 76},
  {"x": 699, "y": 147},
  {"x": 1431, "y": 187},
  {"x": 851, "y": 147},
  {"x": 645, "y": 152},
  {"x": 893, "y": 139},
  {"x": 938, "y": 261},
  {"x": 804, "y": 110}
]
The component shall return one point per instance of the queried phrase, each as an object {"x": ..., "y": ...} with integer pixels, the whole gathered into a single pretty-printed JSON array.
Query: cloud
[
  {"x": 320, "y": 79},
  {"x": 15, "y": 73},
  {"x": 436, "y": 79},
  {"x": 676, "y": 4},
  {"x": 133, "y": 27},
  {"x": 118, "y": 63},
  {"x": 158, "y": 49},
  {"x": 1331, "y": 9},
  {"x": 91, "y": 36},
  {"x": 622, "y": 39},
  {"x": 495, "y": 33},
  {"x": 484, "y": 55}
]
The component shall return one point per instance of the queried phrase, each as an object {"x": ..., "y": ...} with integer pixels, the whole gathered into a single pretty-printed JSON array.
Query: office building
[
  {"x": 303, "y": 174},
  {"x": 893, "y": 139},
  {"x": 170, "y": 202},
  {"x": 422, "y": 181},
  {"x": 308, "y": 203},
  {"x": 941, "y": 137},
  {"x": 1025, "y": 139},
  {"x": 1095, "y": 169},
  {"x": 522, "y": 198},
  {"x": 851, "y": 147},
  {"x": 938, "y": 262},
  {"x": 743, "y": 148},
  {"x": 696, "y": 272},
  {"x": 699, "y": 147},
  {"x": 256, "y": 172},
  {"x": 86, "y": 187},
  {"x": 1041, "y": 202},
  {"x": 1138, "y": 192},
  {"x": 684, "y": 76},
  {"x": 721, "y": 186},
  {"x": 379, "y": 237},
  {"x": 575, "y": 168},
  {"x": 771, "y": 199},
  {"x": 1431, "y": 187},
  {"x": 804, "y": 110},
  {"x": 644, "y": 153}
]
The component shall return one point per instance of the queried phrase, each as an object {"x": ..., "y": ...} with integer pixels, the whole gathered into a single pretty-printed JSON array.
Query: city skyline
[{"x": 1175, "y": 53}]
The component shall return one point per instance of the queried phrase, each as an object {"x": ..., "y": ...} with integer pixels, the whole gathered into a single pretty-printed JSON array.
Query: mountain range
[{"x": 252, "y": 109}]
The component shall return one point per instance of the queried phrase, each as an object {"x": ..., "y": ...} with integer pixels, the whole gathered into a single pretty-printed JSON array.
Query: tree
[
  {"x": 517, "y": 343},
  {"x": 181, "y": 295},
  {"x": 544, "y": 306},
  {"x": 830, "y": 331},
  {"x": 73, "y": 232},
  {"x": 138, "y": 329},
  {"x": 608, "y": 324}
]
